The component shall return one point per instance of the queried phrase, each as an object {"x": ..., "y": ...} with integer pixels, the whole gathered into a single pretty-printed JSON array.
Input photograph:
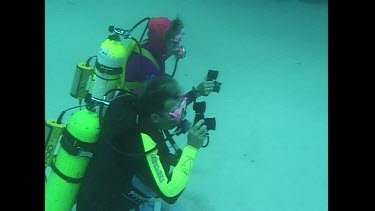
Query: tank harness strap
[
  {"x": 173, "y": 143},
  {"x": 64, "y": 177},
  {"x": 76, "y": 147},
  {"x": 148, "y": 55},
  {"x": 108, "y": 70}
]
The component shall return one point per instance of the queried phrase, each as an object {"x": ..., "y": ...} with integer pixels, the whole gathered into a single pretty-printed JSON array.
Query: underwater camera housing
[
  {"x": 200, "y": 108},
  {"x": 212, "y": 76}
]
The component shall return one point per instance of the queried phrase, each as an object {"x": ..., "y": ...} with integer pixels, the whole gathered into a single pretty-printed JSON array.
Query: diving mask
[{"x": 178, "y": 113}]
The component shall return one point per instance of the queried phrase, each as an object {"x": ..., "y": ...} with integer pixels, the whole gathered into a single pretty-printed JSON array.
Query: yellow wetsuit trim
[
  {"x": 147, "y": 54},
  {"x": 180, "y": 174}
]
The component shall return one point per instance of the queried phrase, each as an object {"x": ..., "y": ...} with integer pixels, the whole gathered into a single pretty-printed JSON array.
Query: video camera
[
  {"x": 212, "y": 76},
  {"x": 200, "y": 108}
]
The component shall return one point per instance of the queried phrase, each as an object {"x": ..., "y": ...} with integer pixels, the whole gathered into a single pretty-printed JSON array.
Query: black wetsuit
[{"x": 120, "y": 164}]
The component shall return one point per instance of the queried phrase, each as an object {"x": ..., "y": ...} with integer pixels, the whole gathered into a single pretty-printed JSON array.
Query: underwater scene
[{"x": 259, "y": 69}]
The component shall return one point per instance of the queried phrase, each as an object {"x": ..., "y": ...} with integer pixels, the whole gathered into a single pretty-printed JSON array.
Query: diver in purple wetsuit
[{"x": 164, "y": 37}]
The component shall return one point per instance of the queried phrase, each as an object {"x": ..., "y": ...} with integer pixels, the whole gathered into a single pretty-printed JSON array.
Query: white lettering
[{"x": 158, "y": 171}]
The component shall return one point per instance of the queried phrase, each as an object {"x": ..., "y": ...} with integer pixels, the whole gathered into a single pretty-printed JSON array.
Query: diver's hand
[
  {"x": 197, "y": 134},
  {"x": 205, "y": 88}
]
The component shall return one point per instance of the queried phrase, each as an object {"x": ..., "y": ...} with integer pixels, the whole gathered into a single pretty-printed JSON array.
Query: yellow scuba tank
[
  {"x": 71, "y": 161},
  {"x": 95, "y": 85},
  {"x": 108, "y": 67},
  {"x": 79, "y": 136}
]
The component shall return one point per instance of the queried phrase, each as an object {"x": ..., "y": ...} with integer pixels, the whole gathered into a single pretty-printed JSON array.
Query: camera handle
[{"x": 208, "y": 141}]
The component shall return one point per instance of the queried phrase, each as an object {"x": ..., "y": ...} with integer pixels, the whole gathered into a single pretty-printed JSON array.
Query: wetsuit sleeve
[
  {"x": 191, "y": 96},
  {"x": 169, "y": 187}
]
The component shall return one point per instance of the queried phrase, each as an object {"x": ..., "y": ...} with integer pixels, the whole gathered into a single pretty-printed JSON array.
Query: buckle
[{"x": 82, "y": 153}]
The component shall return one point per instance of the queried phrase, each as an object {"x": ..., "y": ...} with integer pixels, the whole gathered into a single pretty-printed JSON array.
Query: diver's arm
[
  {"x": 169, "y": 189},
  {"x": 191, "y": 96},
  {"x": 203, "y": 89}
]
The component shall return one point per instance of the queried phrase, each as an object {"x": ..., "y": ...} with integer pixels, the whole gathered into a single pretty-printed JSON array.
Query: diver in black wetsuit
[{"x": 132, "y": 162}]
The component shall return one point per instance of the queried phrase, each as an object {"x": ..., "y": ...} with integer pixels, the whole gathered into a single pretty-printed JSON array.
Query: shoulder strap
[
  {"x": 148, "y": 55},
  {"x": 172, "y": 142},
  {"x": 133, "y": 47}
]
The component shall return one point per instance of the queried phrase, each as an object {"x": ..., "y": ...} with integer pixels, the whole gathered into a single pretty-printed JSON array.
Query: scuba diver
[
  {"x": 147, "y": 60},
  {"x": 121, "y": 134},
  {"x": 131, "y": 165},
  {"x": 164, "y": 38}
]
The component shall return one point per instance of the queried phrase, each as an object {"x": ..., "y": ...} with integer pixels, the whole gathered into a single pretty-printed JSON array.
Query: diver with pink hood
[
  {"x": 164, "y": 38},
  {"x": 164, "y": 41}
]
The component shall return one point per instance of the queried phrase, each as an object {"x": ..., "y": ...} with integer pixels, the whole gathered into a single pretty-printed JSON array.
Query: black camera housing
[
  {"x": 200, "y": 108},
  {"x": 212, "y": 76}
]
